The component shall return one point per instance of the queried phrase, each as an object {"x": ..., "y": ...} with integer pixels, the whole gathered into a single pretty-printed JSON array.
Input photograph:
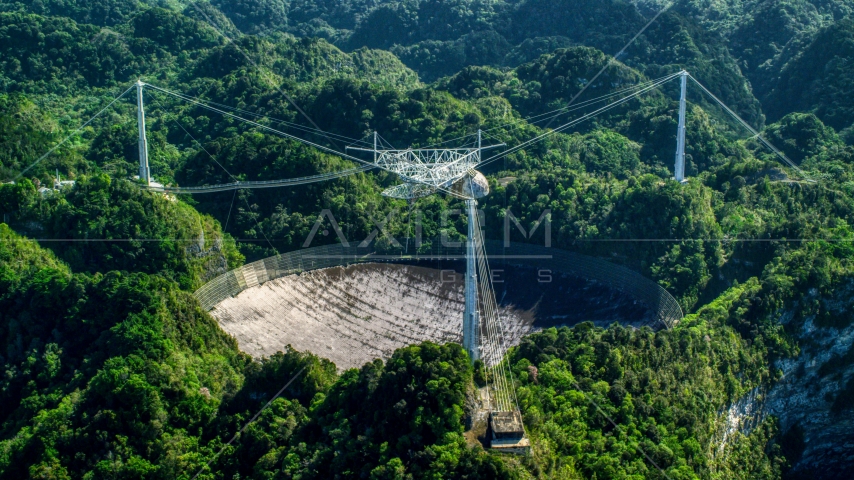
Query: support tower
[
  {"x": 144, "y": 172},
  {"x": 679, "y": 170},
  {"x": 471, "y": 315}
]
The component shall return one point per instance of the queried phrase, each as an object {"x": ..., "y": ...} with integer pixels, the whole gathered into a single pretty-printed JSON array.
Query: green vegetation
[
  {"x": 113, "y": 371},
  {"x": 136, "y": 231},
  {"x": 107, "y": 367},
  {"x": 416, "y": 401},
  {"x": 533, "y": 88},
  {"x": 661, "y": 389},
  {"x": 798, "y": 88},
  {"x": 97, "y": 12},
  {"x": 122, "y": 374}
]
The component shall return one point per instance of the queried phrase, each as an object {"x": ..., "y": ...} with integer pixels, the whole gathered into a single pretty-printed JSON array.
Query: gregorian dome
[{"x": 472, "y": 185}]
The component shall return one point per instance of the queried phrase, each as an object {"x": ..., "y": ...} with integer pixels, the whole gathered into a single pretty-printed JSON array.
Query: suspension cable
[
  {"x": 75, "y": 132},
  {"x": 491, "y": 316},
  {"x": 580, "y": 105},
  {"x": 251, "y": 185},
  {"x": 576, "y": 121},
  {"x": 240, "y": 185},
  {"x": 248, "y": 207},
  {"x": 298, "y": 139},
  {"x": 259, "y": 125},
  {"x": 534, "y": 119},
  {"x": 750, "y": 129},
  {"x": 304, "y": 128}
]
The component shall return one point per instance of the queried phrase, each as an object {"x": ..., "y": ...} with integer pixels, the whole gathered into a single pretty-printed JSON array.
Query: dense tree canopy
[{"x": 112, "y": 368}]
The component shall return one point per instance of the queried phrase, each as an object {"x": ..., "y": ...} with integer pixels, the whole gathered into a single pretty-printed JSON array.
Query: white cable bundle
[{"x": 502, "y": 391}]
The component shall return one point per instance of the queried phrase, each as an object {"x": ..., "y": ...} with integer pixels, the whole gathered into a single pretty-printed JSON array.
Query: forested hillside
[{"x": 113, "y": 370}]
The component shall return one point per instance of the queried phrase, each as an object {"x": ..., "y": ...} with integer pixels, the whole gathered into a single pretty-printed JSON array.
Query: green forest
[{"x": 111, "y": 368}]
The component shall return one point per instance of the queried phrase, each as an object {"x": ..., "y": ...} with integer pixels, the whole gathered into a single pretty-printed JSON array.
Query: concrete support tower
[
  {"x": 471, "y": 316},
  {"x": 144, "y": 172},
  {"x": 679, "y": 171}
]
